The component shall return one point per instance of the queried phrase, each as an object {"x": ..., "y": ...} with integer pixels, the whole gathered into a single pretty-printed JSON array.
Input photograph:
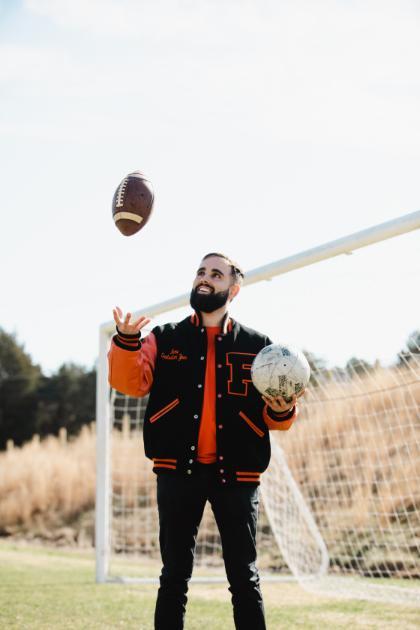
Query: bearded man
[{"x": 206, "y": 429}]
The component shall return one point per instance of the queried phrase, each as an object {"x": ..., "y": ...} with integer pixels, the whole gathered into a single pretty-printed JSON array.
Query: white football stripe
[{"x": 127, "y": 215}]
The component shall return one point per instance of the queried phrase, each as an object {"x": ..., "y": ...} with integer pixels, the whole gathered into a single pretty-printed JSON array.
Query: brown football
[{"x": 132, "y": 204}]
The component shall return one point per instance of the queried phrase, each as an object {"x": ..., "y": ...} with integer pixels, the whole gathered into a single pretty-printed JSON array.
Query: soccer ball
[{"x": 280, "y": 370}]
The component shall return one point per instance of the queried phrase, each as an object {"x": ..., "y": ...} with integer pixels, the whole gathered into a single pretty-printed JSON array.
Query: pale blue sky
[{"x": 266, "y": 127}]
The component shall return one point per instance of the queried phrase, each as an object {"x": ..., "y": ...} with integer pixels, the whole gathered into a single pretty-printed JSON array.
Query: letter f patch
[{"x": 240, "y": 372}]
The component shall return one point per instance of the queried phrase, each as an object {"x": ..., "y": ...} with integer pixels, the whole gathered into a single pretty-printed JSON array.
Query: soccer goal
[{"x": 340, "y": 508}]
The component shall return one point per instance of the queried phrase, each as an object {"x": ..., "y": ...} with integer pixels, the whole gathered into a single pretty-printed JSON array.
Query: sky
[{"x": 266, "y": 127}]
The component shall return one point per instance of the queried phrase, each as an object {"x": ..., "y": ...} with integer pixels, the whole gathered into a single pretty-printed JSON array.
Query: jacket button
[
  {"x": 189, "y": 471},
  {"x": 202, "y": 330},
  {"x": 190, "y": 461},
  {"x": 219, "y": 365},
  {"x": 220, "y": 426},
  {"x": 193, "y": 448},
  {"x": 219, "y": 395},
  {"x": 219, "y": 339},
  {"x": 199, "y": 386},
  {"x": 201, "y": 358},
  {"x": 221, "y": 457},
  {"x": 222, "y": 470},
  {"x": 195, "y": 416},
  {"x": 223, "y": 480}
]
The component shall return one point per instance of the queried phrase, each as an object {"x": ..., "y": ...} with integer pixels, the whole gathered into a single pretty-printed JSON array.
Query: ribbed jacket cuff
[
  {"x": 127, "y": 342},
  {"x": 281, "y": 417}
]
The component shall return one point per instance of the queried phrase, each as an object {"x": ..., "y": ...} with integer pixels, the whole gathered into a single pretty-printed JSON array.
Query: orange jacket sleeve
[
  {"x": 282, "y": 424},
  {"x": 131, "y": 372}
]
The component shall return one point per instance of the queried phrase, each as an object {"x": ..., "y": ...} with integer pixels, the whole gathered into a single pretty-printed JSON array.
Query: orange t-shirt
[{"x": 206, "y": 453}]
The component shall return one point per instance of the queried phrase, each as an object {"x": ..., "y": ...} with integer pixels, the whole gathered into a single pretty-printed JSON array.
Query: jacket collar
[{"x": 227, "y": 324}]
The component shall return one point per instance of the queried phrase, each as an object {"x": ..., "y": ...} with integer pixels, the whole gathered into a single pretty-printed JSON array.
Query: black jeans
[{"x": 181, "y": 502}]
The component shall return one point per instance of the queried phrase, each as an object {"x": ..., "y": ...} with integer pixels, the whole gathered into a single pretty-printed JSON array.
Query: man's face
[{"x": 212, "y": 286}]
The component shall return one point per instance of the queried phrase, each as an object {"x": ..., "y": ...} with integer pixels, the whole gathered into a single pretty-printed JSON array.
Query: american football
[{"x": 132, "y": 203}]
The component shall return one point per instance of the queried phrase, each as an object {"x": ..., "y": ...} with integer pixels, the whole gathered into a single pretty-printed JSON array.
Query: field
[{"x": 51, "y": 588}]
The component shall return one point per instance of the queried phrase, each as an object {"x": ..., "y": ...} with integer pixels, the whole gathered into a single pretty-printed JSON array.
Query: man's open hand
[
  {"x": 279, "y": 405},
  {"x": 124, "y": 324}
]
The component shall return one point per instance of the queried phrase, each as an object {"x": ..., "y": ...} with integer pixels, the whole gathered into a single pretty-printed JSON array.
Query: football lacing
[{"x": 121, "y": 192}]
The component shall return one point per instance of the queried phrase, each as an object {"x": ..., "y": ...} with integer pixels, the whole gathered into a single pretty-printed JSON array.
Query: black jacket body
[{"x": 172, "y": 419}]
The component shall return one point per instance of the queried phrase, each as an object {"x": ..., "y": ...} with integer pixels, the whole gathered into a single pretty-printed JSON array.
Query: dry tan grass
[
  {"x": 355, "y": 452},
  {"x": 356, "y": 456},
  {"x": 361, "y": 448},
  {"x": 49, "y": 481}
]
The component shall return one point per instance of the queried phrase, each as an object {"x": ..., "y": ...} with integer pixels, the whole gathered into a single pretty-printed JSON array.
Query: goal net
[{"x": 340, "y": 508}]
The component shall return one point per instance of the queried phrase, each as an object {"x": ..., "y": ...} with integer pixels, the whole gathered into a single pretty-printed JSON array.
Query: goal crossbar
[{"x": 343, "y": 245}]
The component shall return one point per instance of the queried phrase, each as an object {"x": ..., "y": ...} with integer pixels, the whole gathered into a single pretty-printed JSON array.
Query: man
[{"x": 206, "y": 431}]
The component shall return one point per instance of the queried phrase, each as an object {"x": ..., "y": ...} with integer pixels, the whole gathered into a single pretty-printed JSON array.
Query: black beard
[{"x": 208, "y": 302}]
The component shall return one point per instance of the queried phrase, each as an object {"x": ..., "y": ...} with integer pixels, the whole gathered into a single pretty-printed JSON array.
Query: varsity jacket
[{"x": 172, "y": 417}]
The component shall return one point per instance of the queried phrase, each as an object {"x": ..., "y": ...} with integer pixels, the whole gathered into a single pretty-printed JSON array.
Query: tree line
[{"x": 31, "y": 402}]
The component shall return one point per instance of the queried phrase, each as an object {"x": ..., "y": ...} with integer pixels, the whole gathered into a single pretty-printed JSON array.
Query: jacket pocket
[
  {"x": 253, "y": 426},
  {"x": 164, "y": 410}
]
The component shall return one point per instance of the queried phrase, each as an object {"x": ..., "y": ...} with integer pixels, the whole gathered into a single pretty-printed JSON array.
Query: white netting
[{"x": 356, "y": 460}]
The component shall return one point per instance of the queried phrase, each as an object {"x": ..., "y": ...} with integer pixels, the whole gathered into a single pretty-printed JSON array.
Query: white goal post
[{"x": 341, "y": 498}]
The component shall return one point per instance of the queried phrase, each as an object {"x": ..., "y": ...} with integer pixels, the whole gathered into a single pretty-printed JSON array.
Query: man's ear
[{"x": 234, "y": 290}]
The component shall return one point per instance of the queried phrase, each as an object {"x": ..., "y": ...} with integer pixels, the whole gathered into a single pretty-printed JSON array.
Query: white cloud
[
  {"x": 304, "y": 44},
  {"x": 103, "y": 16},
  {"x": 132, "y": 19},
  {"x": 32, "y": 63},
  {"x": 294, "y": 71}
]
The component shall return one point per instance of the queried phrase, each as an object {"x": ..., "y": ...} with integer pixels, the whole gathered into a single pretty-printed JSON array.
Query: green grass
[{"x": 41, "y": 588}]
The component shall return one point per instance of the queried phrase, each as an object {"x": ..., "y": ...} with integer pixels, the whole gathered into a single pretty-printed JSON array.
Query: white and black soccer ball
[{"x": 280, "y": 370}]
